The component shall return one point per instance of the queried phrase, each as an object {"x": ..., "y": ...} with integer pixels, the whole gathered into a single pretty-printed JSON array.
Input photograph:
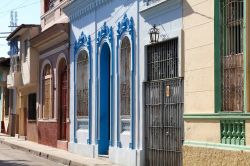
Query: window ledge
[
  {"x": 31, "y": 121},
  {"x": 47, "y": 120},
  {"x": 218, "y": 116},
  {"x": 216, "y": 145},
  {"x": 127, "y": 132}
]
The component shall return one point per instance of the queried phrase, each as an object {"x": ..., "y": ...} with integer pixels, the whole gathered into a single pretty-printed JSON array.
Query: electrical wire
[{"x": 20, "y": 6}]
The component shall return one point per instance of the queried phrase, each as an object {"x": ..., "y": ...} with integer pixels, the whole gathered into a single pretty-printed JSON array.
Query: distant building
[
  {"x": 22, "y": 82},
  {"x": 4, "y": 94}
]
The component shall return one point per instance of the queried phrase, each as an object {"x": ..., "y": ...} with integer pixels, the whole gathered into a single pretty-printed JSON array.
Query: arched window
[
  {"x": 47, "y": 93},
  {"x": 125, "y": 64},
  {"x": 82, "y": 90}
]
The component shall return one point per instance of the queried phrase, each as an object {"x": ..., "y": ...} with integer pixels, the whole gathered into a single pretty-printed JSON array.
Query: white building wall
[
  {"x": 167, "y": 15},
  {"x": 168, "y": 18}
]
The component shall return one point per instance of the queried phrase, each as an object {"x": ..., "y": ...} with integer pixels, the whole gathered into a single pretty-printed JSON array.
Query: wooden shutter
[
  {"x": 47, "y": 98},
  {"x": 47, "y": 105}
]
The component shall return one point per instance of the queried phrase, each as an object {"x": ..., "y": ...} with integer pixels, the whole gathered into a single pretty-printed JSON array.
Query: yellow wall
[
  {"x": 23, "y": 108},
  {"x": 203, "y": 131},
  {"x": 198, "y": 26},
  {"x": 22, "y": 115}
]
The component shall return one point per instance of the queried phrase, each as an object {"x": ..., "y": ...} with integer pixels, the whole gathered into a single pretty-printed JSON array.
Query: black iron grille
[{"x": 163, "y": 60}]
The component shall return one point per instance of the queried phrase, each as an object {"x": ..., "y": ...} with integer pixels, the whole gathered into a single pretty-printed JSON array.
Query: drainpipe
[
  {"x": 138, "y": 70},
  {"x": 96, "y": 87}
]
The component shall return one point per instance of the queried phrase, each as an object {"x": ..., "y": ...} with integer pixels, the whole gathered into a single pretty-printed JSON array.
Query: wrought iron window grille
[
  {"x": 82, "y": 91},
  {"x": 163, "y": 60},
  {"x": 232, "y": 55}
]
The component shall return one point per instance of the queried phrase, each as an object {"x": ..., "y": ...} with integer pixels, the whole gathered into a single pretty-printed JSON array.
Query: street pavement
[
  {"x": 14, "y": 157},
  {"x": 45, "y": 152}
]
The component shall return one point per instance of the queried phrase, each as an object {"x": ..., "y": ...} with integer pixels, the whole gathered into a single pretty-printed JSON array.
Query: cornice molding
[
  {"x": 159, "y": 8},
  {"x": 78, "y": 8}
]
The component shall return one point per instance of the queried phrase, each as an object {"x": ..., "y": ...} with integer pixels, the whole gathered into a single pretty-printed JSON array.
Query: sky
[{"x": 28, "y": 12}]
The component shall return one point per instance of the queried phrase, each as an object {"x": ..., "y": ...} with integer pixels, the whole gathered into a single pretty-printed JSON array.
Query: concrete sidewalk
[{"x": 53, "y": 154}]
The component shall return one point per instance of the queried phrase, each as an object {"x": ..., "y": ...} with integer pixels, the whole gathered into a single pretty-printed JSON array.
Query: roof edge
[{"x": 21, "y": 27}]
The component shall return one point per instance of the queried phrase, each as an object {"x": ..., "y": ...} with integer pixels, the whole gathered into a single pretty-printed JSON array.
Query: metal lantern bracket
[{"x": 154, "y": 34}]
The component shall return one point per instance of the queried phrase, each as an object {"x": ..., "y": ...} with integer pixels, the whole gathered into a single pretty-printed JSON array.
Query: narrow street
[{"x": 14, "y": 157}]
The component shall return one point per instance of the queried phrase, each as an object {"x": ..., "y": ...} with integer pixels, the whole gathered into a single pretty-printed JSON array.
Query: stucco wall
[
  {"x": 90, "y": 24},
  {"x": 48, "y": 130},
  {"x": 198, "y": 27},
  {"x": 168, "y": 18},
  {"x": 32, "y": 133},
  {"x": 202, "y": 156},
  {"x": 202, "y": 130}
]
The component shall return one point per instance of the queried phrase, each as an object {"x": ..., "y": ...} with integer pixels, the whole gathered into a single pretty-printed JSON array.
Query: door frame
[
  {"x": 107, "y": 54},
  {"x": 61, "y": 126},
  {"x": 105, "y": 35},
  {"x": 61, "y": 57}
]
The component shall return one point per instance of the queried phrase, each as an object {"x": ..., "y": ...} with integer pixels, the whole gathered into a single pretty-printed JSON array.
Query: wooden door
[{"x": 64, "y": 104}]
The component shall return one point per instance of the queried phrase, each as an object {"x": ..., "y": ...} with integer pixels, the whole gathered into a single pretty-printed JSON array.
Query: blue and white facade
[{"x": 98, "y": 30}]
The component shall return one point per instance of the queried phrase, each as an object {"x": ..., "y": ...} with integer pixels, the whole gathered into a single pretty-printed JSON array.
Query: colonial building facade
[
  {"x": 53, "y": 76},
  {"x": 142, "y": 82},
  {"x": 216, "y": 82},
  {"x": 116, "y": 75}
]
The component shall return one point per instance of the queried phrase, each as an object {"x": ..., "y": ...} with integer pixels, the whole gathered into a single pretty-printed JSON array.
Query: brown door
[{"x": 64, "y": 104}]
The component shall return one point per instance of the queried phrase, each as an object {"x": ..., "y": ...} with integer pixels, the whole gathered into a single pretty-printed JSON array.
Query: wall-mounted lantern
[{"x": 154, "y": 34}]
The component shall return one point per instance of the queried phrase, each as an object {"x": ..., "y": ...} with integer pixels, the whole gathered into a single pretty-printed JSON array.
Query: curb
[{"x": 54, "y": 158}]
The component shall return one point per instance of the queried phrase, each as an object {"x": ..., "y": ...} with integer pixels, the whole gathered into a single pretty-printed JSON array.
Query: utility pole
[
  {"x": 13, "y": 20},
  {"x": 13, "y": 23}
]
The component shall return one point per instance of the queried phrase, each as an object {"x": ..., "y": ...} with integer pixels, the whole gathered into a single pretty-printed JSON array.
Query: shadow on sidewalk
[{"x": 13, "y": 163}]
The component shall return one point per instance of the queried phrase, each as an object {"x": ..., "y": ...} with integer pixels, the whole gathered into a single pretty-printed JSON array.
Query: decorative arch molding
[
  {"x": 45, "y": 62},
  {"x": 105, "y": 35},
  {"x": 126, "y": 29},
  {"x": 59, "y": 58},
  {"x": 125, "y": 25},
  {"x": 83, "y": 43}
]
